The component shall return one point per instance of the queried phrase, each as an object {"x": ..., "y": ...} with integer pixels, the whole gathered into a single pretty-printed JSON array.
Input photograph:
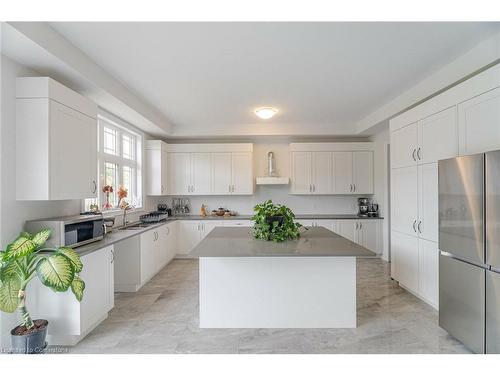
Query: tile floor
[{"x": 163, "y": 318}]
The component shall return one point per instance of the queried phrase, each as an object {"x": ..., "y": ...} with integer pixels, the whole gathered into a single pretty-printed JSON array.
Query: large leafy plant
[
  {"x": 27, "y": 258},
  {"x": 274, "y": 222}
]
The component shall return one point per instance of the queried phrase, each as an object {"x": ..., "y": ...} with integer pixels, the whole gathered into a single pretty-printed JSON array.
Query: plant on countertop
[
  {"x": 26, "y": 258},
  {"x": 274, "y": 222}
]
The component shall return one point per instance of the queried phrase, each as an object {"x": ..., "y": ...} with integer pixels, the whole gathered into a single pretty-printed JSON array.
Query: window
[{"x": 119, "y": 165}]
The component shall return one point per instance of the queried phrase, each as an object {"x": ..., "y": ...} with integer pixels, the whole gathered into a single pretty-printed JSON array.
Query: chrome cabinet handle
[
  {"x": 314, "y": 188},
  {"x": 353, "y": 187},
  {"x": 418, "y": 226},
  {"x": 112, "y": 256},
  {"x": 418, "y": 154},
  {"x": 357, "y": 224},
  {"x": 95, "y": 187},
  {"x": 360, "y": 225},
  {"x": 229, "y": 188},
  {"x": 414, "y": 223},
  {"x": 413, "y": 155}
]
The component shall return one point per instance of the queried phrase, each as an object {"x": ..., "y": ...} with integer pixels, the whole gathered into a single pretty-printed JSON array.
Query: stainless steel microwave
[{"x": 72, "y": 231}]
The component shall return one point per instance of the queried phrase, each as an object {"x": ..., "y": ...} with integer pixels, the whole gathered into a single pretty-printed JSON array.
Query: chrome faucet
[{"x": 125, "y": 209}]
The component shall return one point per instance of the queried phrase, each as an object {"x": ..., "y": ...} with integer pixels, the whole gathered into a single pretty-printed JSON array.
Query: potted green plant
[
  {"x": 274, "y": 222},
  {"x": 22, "y": 261}
]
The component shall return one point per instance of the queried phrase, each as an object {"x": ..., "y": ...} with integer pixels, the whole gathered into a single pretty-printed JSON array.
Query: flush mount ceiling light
[{"x": 265, "y": 113}]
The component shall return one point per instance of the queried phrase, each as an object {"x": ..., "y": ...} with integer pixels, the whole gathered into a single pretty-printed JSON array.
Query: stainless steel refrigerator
[{"x": 469, "y": 244}]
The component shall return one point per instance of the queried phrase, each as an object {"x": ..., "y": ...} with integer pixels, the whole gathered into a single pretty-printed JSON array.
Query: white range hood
[{"x": 272, "y": 180}]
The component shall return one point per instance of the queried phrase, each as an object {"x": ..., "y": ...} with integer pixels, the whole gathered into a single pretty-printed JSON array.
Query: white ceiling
[{"x": 323, "y": 76}]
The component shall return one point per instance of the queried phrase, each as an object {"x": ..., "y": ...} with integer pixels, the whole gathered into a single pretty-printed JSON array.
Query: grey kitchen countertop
[
  {"x": 313, "y": 242},
  {"x": 118, "y": 235}
]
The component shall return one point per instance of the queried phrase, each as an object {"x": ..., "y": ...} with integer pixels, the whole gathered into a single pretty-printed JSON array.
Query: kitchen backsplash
[{"x": 300, "y": 204}]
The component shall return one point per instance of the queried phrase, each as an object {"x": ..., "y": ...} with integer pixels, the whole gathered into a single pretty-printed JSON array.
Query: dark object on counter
[
  {"x": 276, "y": 218},
  {"x": 220, "y": 212},
  {"x": 153, "y": 217},
  {"x": 363, "y": 207},
  {"x": 25, "y": 342},
  {"x": 373, "y": 210}
]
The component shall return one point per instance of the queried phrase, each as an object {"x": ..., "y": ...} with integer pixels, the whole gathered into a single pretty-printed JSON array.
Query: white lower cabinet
[
  {"x": 366, "y": 232},
  {"x": 428, "y": 271},
  {"x": 415, "y": 264},
  {"x": 139, "y": 258},
  {"x": 191, "y": 232},
  {"x": 70, "y": 320},
  {"x": 405, "y": 252}
]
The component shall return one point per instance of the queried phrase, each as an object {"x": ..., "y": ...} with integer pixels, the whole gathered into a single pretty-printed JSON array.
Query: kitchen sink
[{"x": 135, "y": 226}]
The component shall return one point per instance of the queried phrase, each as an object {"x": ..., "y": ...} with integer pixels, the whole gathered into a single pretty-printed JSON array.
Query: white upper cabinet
[
  {"x": 221, "y": 173},
  {"x": 426, "y": 141},
  {"x": 179, "y": 173},
  {"x": 322, "y": 179},
  {"x": 362, "y": 172},
  {"x": 343, "y": 173},
  {"x": 56, "y": 142},
  {"x": 210, "y": 169},
  {"x": 325, "y": 168},
  {"x": 242, "y": 173},
  {"x": 479, "y": 123},
  {"x": 301, "y": 172},
  {"x": 438, "y": 136},
  {"x": 201, "y": 173},
  {"x": 156, "y": 168},
  {"x": 404, "y": 146}
]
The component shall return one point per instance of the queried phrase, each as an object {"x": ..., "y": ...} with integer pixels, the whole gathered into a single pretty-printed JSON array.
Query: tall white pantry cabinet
[{"x": 462, "y": 120}]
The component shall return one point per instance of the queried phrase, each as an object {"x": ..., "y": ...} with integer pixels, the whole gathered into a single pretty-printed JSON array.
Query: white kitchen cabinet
[
  {"x": 138, "y": 258},
  {"x": 348, "y": 229},
  {"x": 428, "y": 205},
  {"x": 188, "y": 235},
  {"x": 343, "y": 172},
  {"x": 428, "y": 274},
  {"x": 438, "y": 137},
  {"x": 362, "y": 172},
  {"x": 322, "y": 176},
  {"x": 242, "y": 173},
  {"x": 179, "y": 173},
  {"x": 479, "y": 123},
  {"x": 406, "y": 249},
  {"x": 301, "y": 173},
  {"x": 364, "y": 232},
  {"x": 404, "y": 202},
  {"x": 156, "y": 167},
  {"x": 148, "y": 255},
  {"x": 210, "y": 173},
  {"x": 201, "y": 175},
  {"x": 191, "y": 232},
  {"x": 404, "y": 146},
  {"x": 58, "y": 127},
  {"x": 221, "y": 173},
  {"x": 369, "y": 233},
  {"x": 70, "y": 320}
]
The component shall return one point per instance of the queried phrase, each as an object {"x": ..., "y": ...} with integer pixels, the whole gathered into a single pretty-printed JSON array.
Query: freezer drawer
[
  {"x": 492, "y": 312},
  {"x": 492, "y": 168},
  {"x": 461, "y": 201},
  {"x": 461, "y": 301}
]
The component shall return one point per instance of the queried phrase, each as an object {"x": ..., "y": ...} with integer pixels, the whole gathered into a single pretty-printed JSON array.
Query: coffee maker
[
  {"x": 366, "y": 208},
  {"x": 363, "y": 207}
]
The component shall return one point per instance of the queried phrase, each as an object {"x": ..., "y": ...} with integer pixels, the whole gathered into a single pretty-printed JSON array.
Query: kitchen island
[{"x": 305, "y": 283}]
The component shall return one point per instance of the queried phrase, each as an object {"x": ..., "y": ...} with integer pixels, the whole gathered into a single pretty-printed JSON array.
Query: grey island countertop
[{"x": 313, "y": 242}]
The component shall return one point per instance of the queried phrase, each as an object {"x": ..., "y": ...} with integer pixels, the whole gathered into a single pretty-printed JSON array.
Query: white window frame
[{"x": 105, "y": 119}]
